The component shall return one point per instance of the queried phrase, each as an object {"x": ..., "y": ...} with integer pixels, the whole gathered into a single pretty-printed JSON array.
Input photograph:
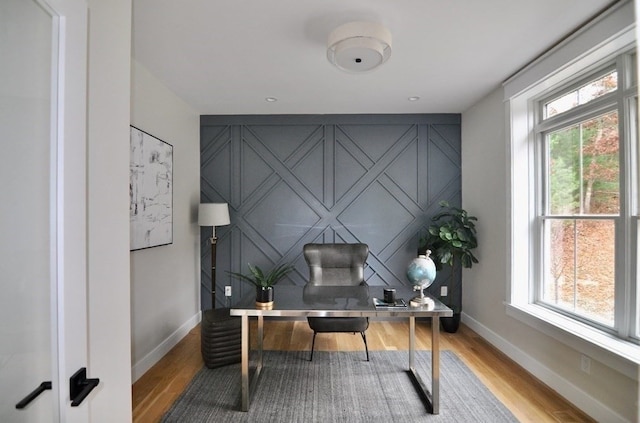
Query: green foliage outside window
[{"x": 584, "y": 167}]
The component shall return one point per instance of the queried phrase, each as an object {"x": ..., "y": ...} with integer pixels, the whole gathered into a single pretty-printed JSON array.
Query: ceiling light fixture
[
  {"x": 359, "y": 46},
  {"x": 270, "y": 99},
  {"x": 414, "y": 98}
]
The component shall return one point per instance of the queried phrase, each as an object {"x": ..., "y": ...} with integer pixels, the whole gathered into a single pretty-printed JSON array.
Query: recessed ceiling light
[
  {"x": 414, "y": 98},
  {"x": 270, "y": 99}
]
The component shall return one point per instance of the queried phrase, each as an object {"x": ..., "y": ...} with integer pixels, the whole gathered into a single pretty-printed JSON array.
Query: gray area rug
[{"x": 339, "y": 387}]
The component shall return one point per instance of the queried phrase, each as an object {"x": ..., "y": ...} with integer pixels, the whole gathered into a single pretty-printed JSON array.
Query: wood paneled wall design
[{"x": 294, "y": 179}]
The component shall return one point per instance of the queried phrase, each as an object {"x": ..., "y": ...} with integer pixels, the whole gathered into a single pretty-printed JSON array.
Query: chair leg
[
  {"x": 313, "y": 343},
  {"x": 366, "y": 348}
]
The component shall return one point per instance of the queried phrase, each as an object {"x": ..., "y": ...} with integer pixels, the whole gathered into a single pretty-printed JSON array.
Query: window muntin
[{"x": 593, "y": 89}]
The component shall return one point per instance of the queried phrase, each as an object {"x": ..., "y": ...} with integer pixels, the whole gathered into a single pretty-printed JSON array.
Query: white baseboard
[
  {"x": 142, "y": 366},
  {"x": 590, "y": 405}
]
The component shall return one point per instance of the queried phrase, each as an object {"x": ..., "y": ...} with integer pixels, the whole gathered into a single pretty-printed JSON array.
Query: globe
[{"x": 421, "y": 272}]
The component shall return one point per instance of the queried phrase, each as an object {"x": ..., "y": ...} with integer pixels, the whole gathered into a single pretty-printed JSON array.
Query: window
[
  {"x": 580, "y": 204},
  {"x": 575, "y": 199},
  {"x": 593, "y": 89},
  {"x": 585, "y": 202}
]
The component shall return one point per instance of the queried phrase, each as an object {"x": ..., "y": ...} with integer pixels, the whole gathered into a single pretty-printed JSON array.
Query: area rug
[{"x": 339, "y": 387}]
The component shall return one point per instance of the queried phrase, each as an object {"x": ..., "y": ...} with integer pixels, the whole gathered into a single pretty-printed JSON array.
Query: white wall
[
  {"x": 165, "y": 280},
  {"x": 605, "y": 393},
  {"x": 108, "y": 199}
]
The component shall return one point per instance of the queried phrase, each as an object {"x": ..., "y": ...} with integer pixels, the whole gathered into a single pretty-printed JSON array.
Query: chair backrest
[{"x": 336, "y": 264}]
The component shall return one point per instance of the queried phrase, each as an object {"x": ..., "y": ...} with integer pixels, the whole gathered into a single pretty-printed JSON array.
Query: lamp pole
[
  {"x": 214, "y": 241},
  {"x": 213, "y": 214}
]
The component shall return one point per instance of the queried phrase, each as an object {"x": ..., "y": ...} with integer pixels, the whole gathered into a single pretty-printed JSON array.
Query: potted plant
[
  {"x": 451, "y": 237},
  {"x": 264, "y": 282}
]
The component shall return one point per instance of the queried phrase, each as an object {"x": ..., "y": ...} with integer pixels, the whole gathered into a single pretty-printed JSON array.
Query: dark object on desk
[
  {"x": 220, "y": 338},
  {"x": 398, "y": 303},
  {"x": 337, "y": 265},
  {"x": 389, "y": 295}
]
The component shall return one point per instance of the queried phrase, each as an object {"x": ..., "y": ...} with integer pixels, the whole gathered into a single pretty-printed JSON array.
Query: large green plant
[
  {"x": 451, "y": 237},
  {"x": 261, "y": 279}
]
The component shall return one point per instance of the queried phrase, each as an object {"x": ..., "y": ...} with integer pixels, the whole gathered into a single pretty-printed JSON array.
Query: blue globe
[{"x": 422, "y": 271}]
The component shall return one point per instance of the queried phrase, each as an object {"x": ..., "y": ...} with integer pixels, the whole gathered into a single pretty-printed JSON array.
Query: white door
[{"x": 42, "y": 211}]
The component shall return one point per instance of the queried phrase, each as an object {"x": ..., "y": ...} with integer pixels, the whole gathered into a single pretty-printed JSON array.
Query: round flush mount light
[
  {"x": 359, "y": 46},
  {"x": 270, "y": 99}
]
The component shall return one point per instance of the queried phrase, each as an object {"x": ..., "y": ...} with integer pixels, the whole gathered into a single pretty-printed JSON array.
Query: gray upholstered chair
[{"x": 337, "y": 265}]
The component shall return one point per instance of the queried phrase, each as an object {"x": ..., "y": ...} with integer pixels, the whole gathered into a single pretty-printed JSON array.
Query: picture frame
[{"x": 150, "y": 191}]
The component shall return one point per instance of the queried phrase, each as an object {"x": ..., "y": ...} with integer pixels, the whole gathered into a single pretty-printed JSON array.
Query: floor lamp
[{"x": 213, "y": 214}]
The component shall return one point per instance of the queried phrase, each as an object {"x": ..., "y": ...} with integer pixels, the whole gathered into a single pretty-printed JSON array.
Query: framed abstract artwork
[{"x": 150, "y": 191}]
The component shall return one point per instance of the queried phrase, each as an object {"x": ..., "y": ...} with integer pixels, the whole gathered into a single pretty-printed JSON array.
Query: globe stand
[{"x": 421, "y": 301}]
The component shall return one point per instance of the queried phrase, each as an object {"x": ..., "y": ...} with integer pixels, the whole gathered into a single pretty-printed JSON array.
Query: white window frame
[
  {"x": 616, "y": 101},
  {"x": 590, "y": 48}
]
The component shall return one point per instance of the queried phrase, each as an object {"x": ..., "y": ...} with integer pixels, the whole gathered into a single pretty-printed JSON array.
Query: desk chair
[{"x": 337, "y": 265}]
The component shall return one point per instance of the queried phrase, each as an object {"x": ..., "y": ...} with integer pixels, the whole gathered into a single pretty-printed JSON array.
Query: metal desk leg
[
  {"x": 431, "y": 398},
  {"x": 260, "y": 348},
  {"x": 412, "y": 343},
  {"x": 435, "y": 364},
  {"x": 245, "y": 362},
  {"x": 248, "y": 389}
]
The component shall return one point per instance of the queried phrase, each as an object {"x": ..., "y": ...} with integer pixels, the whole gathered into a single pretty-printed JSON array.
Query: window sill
[{"x": 592, "y": 342}]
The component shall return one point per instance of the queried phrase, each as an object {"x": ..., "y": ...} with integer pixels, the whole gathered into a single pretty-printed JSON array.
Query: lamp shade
[{"x": 213, "y": 214}]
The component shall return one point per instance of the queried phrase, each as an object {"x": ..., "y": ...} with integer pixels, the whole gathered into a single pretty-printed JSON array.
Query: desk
[{"x": 342, "y": 301}]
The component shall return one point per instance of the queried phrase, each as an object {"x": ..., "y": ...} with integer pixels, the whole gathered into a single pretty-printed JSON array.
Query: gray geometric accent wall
[{"x": 294, "y": 179}]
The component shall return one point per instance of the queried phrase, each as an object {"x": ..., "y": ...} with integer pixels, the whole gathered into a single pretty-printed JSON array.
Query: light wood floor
[{"x": 527, "y": 398}]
